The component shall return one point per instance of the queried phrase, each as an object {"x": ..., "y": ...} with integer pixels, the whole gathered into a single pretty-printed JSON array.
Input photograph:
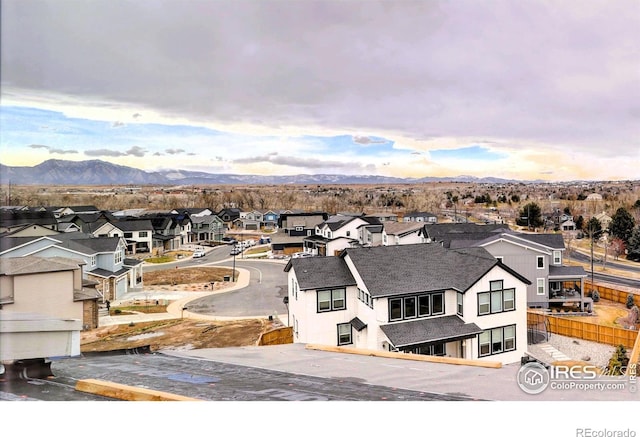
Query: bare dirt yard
[{"x": 176, "y": 333}]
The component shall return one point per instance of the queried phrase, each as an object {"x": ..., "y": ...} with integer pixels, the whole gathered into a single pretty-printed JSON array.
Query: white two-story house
[
  {"x": 339, "y": 232},
  {"x": 415, "y": 298}
]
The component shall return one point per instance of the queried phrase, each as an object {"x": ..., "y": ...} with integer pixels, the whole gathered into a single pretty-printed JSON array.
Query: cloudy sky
[{"x": 515, "y": 89}]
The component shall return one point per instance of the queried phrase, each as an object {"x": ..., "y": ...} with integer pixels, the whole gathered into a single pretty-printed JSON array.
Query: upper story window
[
  {"x": 411, "y": 307},
  {"x": 117, "y": 257},
  {"x": 93, "y": 261},
  {"x": 540, "y": 262},
  {"x": 497, "y": 300},
  {"x": 331, "y": 300},
  {"x": 299, "y": 228},
  {"x": 128, "y": 234},
  {"x": 459, "y": 304},
  {"x": 557, "y": 257}
]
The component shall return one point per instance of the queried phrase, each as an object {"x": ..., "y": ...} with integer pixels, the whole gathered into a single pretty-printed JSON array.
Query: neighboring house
[
  {"x": 206, "y": 228},
  {"x": 420, "y": 217},
  {"x": 11, "y": 219},
  {"x": 397, "y": 233},
  {"x": 88, "y": 222},
  {"x": 338, "y": 232},
  {"x": 604, "y": 220},
  {"x": 384, "y": 216},
  {"x": 228, "y": 215},
  {"x": 246, "y": 224},
  {"x": 193, "y": 212},
  {"x": 104, "y": 258},
  {"x": 170, "y": 231},
  {"x": 30, "y": 230},
  {"x": 538, "y": 257},
  {"x": 292, "y": 230},
  {"x": 138, "y": 233},
  {"x": 269, "y": 219},
  {"x": 568, "y": 225},
  {"x": 417, "y": 298}
]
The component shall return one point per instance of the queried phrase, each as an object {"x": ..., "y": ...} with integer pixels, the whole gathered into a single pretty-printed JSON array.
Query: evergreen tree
[
  {"x": 633, "y": 248},
  {"x": 622, "y": 224},
  {"x": 530, "y": 215}
]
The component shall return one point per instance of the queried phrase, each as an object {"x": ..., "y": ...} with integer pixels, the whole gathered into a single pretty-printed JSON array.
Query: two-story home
[
  {"x": 537, "y": 256},
  {"x": 206, "y": 228},
  {"x": 416, "y": 298},
  {"x": 138, "y": 233},
  {"x": 292, "y": 230},
  {"x": 104, "y": 258},
  {"x": 339, "y": 232},
  {"x": 170, "y": 231},
  {"x": 43, "y": 308}
]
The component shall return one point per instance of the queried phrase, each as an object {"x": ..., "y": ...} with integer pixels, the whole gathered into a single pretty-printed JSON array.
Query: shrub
[
  {"x": 618, "y": 362},
  {"x": 630, "y": 302}
]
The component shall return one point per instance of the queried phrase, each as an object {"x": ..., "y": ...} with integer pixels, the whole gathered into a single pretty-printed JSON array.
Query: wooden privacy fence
[
  {"x": 277, "y": 336},
  {"x": 570, "y": 327},
  {"x": 613, "y": 294}
]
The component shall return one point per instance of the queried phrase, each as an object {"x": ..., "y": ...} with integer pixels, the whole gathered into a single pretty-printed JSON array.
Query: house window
[
  {"x": 299, "y": 228},
  {"x": 459, "y": 300},
  {"x": 348, "y": 233},
  {"x": 410, "y": 307},
  {"x": 344, "y": 334},
  {"x": 540, "y": 262},
  {"x": 128, "y": 235},
  {"x": 93, "y": 261},
  {"x": 331, "y": 300},
  {"x": 424, "y": 306},
  {"x": 497, "y": 300},
  {"x": 497, "y": 340},
  {"x": 117, "y": 257},
  {"x": 395, "y": 309},
  {"x": 557, "y": 257},
  {"x": 540, "y": 287}
]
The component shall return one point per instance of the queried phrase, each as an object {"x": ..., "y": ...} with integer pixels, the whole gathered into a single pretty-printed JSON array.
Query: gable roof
[
  {"x": 402, "y": 228},
  {"x": 414, "y": 268},
  {"x": 33, "y": 264},
  {"x": 321, "y": 272}
]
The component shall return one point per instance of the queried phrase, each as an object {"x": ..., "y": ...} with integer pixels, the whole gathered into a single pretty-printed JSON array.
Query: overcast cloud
[{"x": 515, "y": 75}]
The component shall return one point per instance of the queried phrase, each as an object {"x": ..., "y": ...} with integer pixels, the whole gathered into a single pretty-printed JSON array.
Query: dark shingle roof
[
  {"x": 430, "y": 330},
  {"x": 321, "y": 272},
  {"x": 133, "y": 225},
  {"x": 394, "y": 270},
  {"x": 358, "y": 324},
  {"x": 566, "y": 271}
]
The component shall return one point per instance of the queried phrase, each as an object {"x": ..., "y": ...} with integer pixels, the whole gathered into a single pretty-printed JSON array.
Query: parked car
[
  {"x": 235, "y": 251},
  {"x": 301, "y": 255},
  {"x": 199, "y": 253},
  {"x": 229, "y": 240}
]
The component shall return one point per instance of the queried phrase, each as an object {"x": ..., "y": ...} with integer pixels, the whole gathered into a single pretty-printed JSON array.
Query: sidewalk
[{"x": 175, "y": 308}]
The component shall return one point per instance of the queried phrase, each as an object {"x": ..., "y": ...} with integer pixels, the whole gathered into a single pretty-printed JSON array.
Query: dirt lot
[{"x": 178, "y": 333}]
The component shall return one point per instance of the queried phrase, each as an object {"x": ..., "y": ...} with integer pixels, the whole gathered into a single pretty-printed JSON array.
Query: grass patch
[
  {"x": 150, "y": 308},
  {"x": 160, "y": 259}
]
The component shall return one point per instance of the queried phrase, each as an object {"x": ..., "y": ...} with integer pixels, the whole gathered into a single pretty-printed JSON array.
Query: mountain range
[{"x": 97, "y": 172}]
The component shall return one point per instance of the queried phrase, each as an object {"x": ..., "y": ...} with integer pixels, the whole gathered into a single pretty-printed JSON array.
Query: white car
[
  {"x": 301, "y": 255},
  {"x": 199, "y": 254}
]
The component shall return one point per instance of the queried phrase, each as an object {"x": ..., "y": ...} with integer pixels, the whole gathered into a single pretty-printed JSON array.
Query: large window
[
  {"x": 142, "y": 234},
  {"x": 497, "y": 340},
  {"x": 410, "y": 307},
  {"x": 497, "y": 300},
  {"x": 344, "y": 334},
  {"x": 541, "y": 291},
  {"x": 331, "y": 300}
]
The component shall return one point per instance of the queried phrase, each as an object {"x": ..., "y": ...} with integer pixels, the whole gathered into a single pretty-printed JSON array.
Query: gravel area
[{"x": 576, "y": 349}]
